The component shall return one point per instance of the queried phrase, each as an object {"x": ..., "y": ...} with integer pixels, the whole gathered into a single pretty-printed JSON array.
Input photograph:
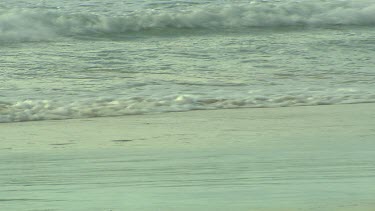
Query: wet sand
[{"x": 300, "y": 158}]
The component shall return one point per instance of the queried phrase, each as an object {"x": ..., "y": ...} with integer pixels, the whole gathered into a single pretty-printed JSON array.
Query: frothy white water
[
  {"x": 35, "y": 25},
  {"x": 31, "y": 110}
]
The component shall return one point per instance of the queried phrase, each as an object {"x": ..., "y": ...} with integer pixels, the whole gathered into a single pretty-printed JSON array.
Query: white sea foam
[
  {"x": 31, "y": 110},
  {"x": 32, "y": 24}
]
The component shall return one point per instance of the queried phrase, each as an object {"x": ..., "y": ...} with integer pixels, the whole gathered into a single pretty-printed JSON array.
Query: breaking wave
[
  {"x": 35, "y": 25},
  {"x": 32, "y": 110}
]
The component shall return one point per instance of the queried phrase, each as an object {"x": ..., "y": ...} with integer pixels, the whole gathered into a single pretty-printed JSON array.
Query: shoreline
[
  {"x": 290, "y": 158},
  {"x": 89, "y": 132}
]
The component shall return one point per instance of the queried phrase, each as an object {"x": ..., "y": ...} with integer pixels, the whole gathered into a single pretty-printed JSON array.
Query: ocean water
[{"x": 62, "y": 59}]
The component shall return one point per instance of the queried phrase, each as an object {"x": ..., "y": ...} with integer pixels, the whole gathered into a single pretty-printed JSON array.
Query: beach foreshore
[{"x": 292, "y": 158}]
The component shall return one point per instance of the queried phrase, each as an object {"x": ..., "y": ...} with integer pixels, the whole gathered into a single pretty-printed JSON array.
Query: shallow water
[{"x": 74, "y": 59}]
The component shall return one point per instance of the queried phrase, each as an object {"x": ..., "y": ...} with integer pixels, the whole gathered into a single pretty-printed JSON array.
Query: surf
[{"x": 38, "y": 24}]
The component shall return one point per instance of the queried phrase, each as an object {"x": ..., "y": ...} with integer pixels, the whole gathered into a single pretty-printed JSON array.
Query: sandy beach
[{"x": 295, "y": 158}]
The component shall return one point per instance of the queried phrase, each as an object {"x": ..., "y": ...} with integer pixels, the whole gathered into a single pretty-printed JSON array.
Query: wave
[
  {"x": 32, "y": 110},
  {"x": 35, "y": 25}
]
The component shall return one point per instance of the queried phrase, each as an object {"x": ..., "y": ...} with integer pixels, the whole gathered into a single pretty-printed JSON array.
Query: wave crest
[{"x": 44, "y": 25}]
